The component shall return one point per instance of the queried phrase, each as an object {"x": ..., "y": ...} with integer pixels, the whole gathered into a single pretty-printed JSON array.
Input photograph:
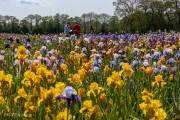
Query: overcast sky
[{"x": 21, "y": 8}]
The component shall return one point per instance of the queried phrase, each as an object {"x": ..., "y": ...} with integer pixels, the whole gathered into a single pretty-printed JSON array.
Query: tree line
[
  {"x": 146, "y": 15},
  {"x": 129, "y": 16},
  {"x": 36, "y": 24}
]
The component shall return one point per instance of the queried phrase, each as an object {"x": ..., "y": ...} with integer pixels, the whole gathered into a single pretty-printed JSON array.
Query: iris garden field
[{"x": 113, "y": 77}]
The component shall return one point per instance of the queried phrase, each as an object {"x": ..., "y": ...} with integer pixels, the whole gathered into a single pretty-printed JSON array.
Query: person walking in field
[
  {"x": 66, "y": 30},
  {"x": 76, "y": 29}
]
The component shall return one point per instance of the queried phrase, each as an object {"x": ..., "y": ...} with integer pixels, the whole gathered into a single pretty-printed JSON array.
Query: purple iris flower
[
  {"x": 28, "y": 46},
  {"x": 163, "y": 68},
  {"x": 114, "y": 36},
  {"x": 155, "y": 71},
  {"x": 167, "y": 52},
  {"x": 145, "y": 63},
  {"x": 162, "y": 38},
  {"x": 126, "y": 37},
  {"x": 137, "y": 37},
  {"x": 177, "y": 56},
  {"x": 173, "y": 40},
  {"x": 70, "y": 95},
  {"x": 153, "y": 42},
  {"x": 156, "y": 55},
  {"x": 136, "y": 51},
  {"x": 135, "y": 63},
  {"x": 170, "y": 61},
  {"x": 62, "y": 61}
]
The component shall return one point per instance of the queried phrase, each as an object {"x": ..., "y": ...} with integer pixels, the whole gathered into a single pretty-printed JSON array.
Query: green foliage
[{"x": 148, "y": 15}]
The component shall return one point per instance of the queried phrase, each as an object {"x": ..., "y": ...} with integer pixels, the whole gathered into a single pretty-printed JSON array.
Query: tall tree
[
  {"x": 30, "y": 18},
  {"x": 114, "y": 24},
  {"x": 104, "y": 18},
  {"x": 124, "y": 8},
  {"x": 24, "y": 26},
  {"x": 57, "y": 21}
]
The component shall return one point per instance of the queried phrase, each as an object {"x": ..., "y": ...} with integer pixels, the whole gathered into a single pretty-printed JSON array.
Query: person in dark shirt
[{"x": 92, "y": 29}]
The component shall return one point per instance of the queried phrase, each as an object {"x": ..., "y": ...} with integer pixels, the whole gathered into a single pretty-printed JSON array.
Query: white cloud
[{"x": 30, "y": 2}]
